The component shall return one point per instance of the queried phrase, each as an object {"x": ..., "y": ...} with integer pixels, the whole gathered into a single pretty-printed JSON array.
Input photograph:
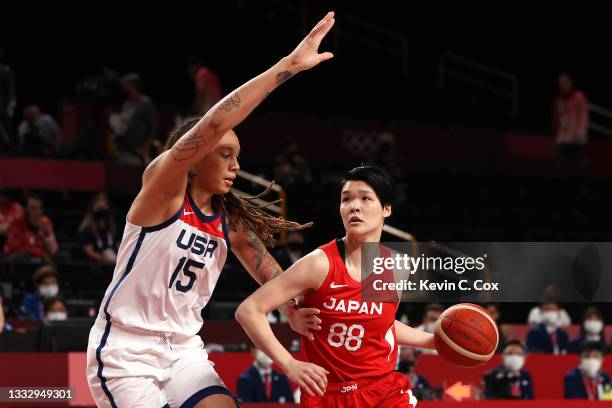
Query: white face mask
[
  {"x": 48, "y": 291},
  {"x": 550, "y": 318},
  {"x": 514, "y": 362},
  {"x": 590, "y": 366},
  {"x": 429, "y": 327},
  {"x": 262, "y": 359},
  {"x": 593, "y": 326},
  {"x": 57, "y": 316}
]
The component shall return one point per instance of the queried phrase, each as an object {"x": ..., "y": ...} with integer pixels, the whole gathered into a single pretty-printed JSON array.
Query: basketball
[{"x": 466, "y": 335}]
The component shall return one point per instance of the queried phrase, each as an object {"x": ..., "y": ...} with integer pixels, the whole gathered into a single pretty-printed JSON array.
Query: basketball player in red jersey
[{"x": 355, "y": 345}]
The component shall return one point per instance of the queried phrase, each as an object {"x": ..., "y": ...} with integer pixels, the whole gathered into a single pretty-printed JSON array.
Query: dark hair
[
  {"x": 89, "y": 221},
  {"x": 514, "y": 342},
  {"x": 589, "y": 346},
  {"x": 592, "y": 310},
  {"x": 49, "y": 302},
  {"x": 241, "y": 209},
  {"x": 133, "y": 79},
  {"x": 433, "y": 307},
  {"x": 382, "y": 184},
  {"x": 43, "y": 272}
]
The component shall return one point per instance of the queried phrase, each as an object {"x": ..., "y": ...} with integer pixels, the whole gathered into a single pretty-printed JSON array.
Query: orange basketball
[{"x": 466, "y": 335}]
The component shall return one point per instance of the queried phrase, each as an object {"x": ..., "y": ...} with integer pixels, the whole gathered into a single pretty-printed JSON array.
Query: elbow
[
  {"x": 243, "y": 312},
  {"x": 213, "y": 122}
]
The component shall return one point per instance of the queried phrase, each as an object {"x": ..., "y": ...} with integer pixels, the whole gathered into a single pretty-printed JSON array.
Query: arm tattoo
[
  {"x": 282, "y": 77},
  {"x": 266, "y": 266},
  {"x": 187, "y": 146},
  {"x": 231, "y": 102}
]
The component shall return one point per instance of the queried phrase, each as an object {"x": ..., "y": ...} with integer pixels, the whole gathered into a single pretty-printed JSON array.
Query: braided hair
[{"x": 242, "y": 210}]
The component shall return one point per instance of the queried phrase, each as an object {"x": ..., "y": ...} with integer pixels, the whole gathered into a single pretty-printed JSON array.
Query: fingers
[
  {"x": 325, "y": 29},
  {"x": 322, "y": 27},
  {"x": 310, "y": 311},
  {"x": 325, "y": 19},
  {"x": 314, "y": 382},
  {"x": 325, "y": 56}
]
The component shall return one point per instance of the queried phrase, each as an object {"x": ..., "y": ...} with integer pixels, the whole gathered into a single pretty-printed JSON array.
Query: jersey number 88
[{"x": 351, "y": 337}]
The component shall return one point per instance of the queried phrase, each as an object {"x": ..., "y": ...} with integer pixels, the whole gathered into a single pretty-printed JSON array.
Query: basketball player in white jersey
[{"x": 144, "y": 350}]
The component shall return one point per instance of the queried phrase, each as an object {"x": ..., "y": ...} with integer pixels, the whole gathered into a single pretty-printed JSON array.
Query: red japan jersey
[{"x": 357, "y": 338}]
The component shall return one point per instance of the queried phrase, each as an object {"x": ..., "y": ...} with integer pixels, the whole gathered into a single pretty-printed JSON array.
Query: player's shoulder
[{"x": 317, "y": 260}]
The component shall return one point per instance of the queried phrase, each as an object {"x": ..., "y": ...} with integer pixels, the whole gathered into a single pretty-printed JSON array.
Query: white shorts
[{"x": 129, "y": 367}]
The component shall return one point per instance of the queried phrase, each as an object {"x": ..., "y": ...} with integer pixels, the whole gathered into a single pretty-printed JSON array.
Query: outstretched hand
[{"x": 306, "y": 54}]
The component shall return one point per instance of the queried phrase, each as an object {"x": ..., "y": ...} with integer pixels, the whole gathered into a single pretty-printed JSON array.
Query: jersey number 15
[{"x": 185, "y": 264}]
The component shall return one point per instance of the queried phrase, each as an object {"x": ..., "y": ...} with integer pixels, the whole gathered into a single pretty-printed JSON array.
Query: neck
[
  {"x": 202, "y": 198},
  {"x": 353, "y": 246}
]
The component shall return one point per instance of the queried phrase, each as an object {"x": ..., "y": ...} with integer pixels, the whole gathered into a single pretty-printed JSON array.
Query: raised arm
[
  {"x": 165, "y": 178},
  {"x": 307, "y": 273}
]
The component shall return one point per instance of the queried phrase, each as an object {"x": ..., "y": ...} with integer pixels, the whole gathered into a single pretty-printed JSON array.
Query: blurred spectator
[
  {"x": 1, "y": 315},
  {"x": 535, "y": 316},
  {"x": 290, "y": 166},
  {"x": 509, "y": 380},
  {"x": 9, "y": 211},
  {"x": 261, "y": 383},
  {"x": 430, "y": 316},
  {"x": 55, "y": 310},
  {"x": 571, "y": 124},
  {"x": 588, "y": 381},
  {"x": 7, "y": 102},
  {"x": 46, "y": 282},
  {"x": 387, "y": 157},
  {"x": 547, "y": 337},
  {"x": 31, "y": 237},
  {"x": 592, "y": 330},
  {"x": 207, "y": 87},
  {"x": 136, "y": 127},
  {"x": 38, "y": 133},
  {"x": 495, "y": 313},
  {"x": 97, "y": 231},
  {"x": 286, "y": 255},
  {"x": 407, "y": 365}
]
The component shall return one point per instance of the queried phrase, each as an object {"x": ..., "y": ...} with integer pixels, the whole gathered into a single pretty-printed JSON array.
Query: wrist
[
  {"x": 286, "y": 65},
  {"x": 285, "y": 362}
]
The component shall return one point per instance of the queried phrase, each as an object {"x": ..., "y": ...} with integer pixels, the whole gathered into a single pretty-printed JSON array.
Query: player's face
[
  {"x": 360, "y": 209},
  {"x": 216, "y": 172}
]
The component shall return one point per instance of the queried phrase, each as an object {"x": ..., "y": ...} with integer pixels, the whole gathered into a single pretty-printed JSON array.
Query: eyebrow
[
  {"x": 228, "y": 146},
  {"x": 359, "y": 191}
]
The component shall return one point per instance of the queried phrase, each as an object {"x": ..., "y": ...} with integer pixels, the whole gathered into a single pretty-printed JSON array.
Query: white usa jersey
[{"x": 166, "y": 274}]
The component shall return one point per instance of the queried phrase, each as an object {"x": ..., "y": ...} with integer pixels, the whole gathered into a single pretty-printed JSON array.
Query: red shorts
[{"x": 391, "y": 391}]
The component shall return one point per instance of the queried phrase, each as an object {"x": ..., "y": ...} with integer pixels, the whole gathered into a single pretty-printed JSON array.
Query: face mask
[
  {"x": 57, "y": 316},
  {"x": 429, "y": 327},
  {"x": 101, "y": 214},
  {"x": 590, "y": 366},
  {"x": 550, "y": 318},
  {"x": 514, "y": 362},
  {"x": 593, "y": 326},
  {"x": 48, "y": 291},
  {"x": 263, "y": 360}
]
